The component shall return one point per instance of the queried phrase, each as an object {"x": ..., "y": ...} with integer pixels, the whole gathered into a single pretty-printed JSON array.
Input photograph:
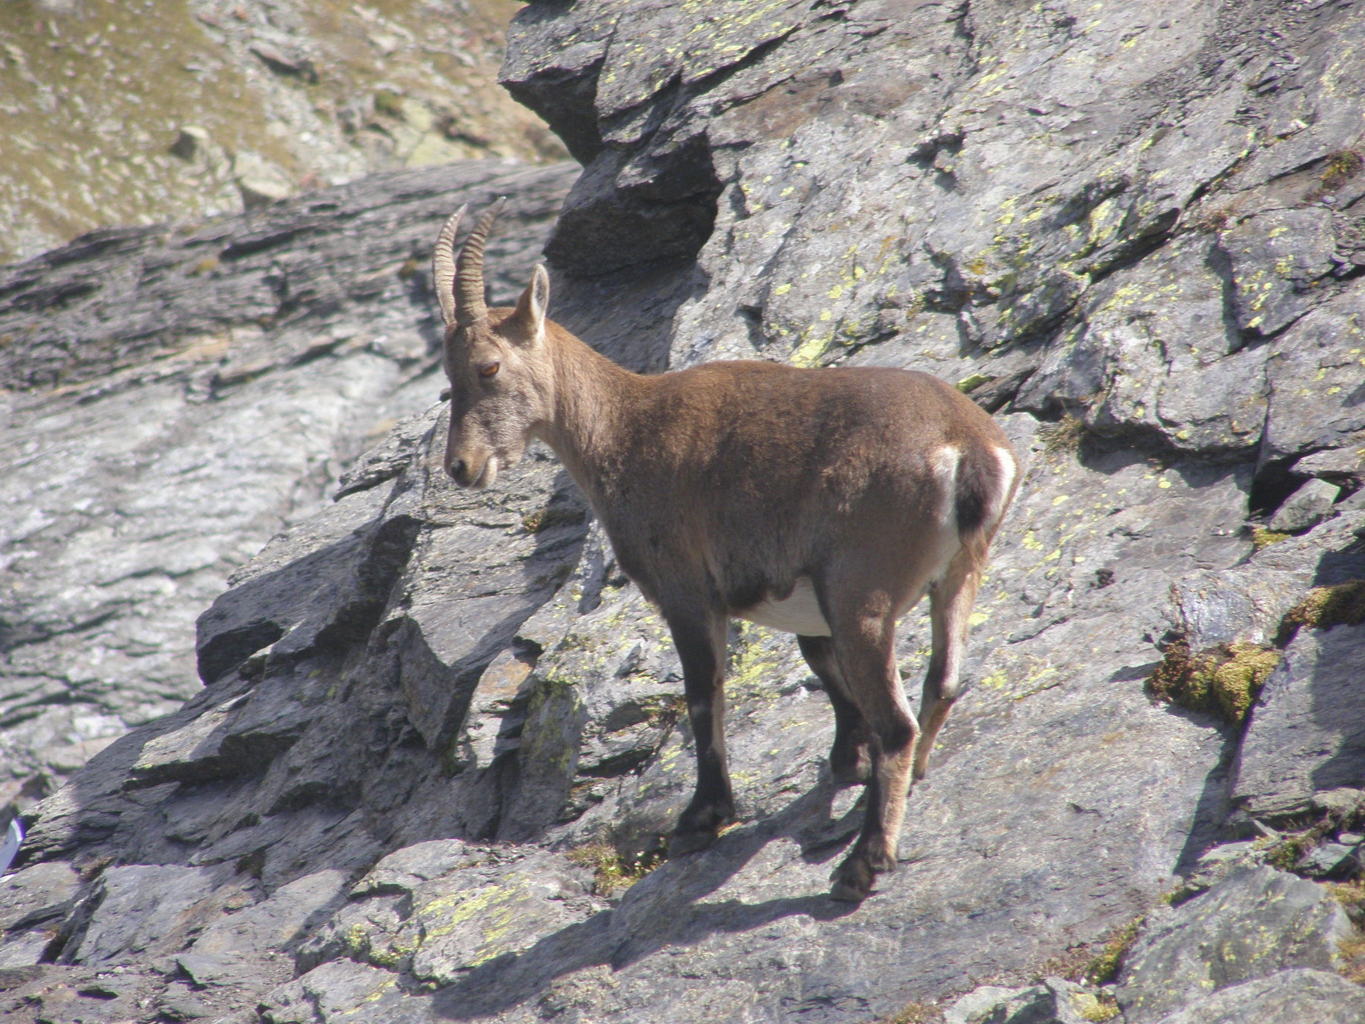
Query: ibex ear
[{"x": 530, "y": 313}]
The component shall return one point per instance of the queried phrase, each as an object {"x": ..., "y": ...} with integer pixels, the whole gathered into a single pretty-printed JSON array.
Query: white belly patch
[{"x": 798, "y": 613}]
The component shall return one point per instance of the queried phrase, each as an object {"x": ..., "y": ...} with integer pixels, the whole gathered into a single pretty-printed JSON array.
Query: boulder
[
  {"x": 1307, "y": 731},
  {"x": 1251, "y": 925}
]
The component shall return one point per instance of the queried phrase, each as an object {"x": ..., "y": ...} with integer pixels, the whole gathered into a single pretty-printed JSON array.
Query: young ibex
[{"x": 820, "y": 502}]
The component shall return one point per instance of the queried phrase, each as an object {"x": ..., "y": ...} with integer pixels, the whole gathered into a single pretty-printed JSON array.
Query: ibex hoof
[
  {"x": 854, "y": 877},
  {"x": 851, "y": 771},
  {"x": 680, "y": 844},
  {"x": 698, "y": 827}
]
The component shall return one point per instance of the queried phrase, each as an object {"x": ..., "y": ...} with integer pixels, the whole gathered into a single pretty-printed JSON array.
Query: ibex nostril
[{"x": 456, "y": 469}]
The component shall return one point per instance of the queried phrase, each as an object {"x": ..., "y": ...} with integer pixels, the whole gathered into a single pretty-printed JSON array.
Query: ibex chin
[{"x": 822, "y": 502}]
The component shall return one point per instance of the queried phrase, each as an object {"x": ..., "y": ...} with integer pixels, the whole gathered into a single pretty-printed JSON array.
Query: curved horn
[
  {"x": 470, "y": 308},
  {"x": 443, "y": 265}
]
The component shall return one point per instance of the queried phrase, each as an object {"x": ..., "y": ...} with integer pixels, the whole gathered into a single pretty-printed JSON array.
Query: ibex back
[{"x": 823, "y": 502}]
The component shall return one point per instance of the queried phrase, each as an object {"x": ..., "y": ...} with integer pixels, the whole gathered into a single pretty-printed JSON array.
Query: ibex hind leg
[
  {"x": 950, "y": 606},
  {"x": 865, "y": 655},
  {"x": 850, "y": 758}
]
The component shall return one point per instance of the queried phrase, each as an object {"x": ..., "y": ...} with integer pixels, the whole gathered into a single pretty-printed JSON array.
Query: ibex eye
[{"x": 489, "y": 369}]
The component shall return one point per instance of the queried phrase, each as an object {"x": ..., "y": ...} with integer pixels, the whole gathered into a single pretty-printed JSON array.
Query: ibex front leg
[{"x": 700, "y": 639}]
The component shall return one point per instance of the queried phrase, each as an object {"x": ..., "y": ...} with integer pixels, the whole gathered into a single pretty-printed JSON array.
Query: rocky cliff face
[{"x": 440, "y": 735}]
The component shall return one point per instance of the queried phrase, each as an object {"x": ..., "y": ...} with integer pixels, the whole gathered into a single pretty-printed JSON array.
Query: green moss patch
[
  {"x": 1324, "y": 607},
  {"x": 1222, "y": 680},
  {"x": 1261, "y": 537}
]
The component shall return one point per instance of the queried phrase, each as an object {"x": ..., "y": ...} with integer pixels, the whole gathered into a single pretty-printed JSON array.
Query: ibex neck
[{"x": 593, "y": 401}]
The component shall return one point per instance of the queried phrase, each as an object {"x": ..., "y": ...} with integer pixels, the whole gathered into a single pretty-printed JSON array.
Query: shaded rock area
[{"x": 441, "y": 736}]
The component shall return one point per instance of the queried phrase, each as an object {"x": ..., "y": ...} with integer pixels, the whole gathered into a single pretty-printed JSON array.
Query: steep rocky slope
[
  {"x": 174, "y": 396},
  {"x": 440, "y": 733},
  {"x": 132, "y": 113}
]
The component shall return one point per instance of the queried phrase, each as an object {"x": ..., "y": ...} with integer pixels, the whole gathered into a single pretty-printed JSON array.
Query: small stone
[
  {"x": 191, "y": 141},
  {"x": 1216, "y": 864},
  {"x": 1305, "y": 508},
  {"x": 1328, "y": 860},
  {"x": 259, "y": 181},
  {"x": 1054, "y": 1001},
  {"x": 1338, "y": 802}
]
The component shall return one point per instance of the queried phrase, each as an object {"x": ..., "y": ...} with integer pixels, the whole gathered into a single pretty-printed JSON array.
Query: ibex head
[{"x": 496, "y": 360}]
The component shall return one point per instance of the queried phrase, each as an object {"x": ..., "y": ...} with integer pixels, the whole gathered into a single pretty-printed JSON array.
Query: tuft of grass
[
  {"x": 1342, "y": 604},
  {"x": 915, "y": 1013},
  {"x": 1223, "y": 680},
  {"x": 1351, "y": 895},
  {"x": 611, "y": 871},
  {"x": 1351, "y": 950},
  {"x": 1340, "y": 168},
  {"x": 1286, "y": 851},
  {"x": 1104, "y": 966},
  {"x": 1213, "y": 220},
  {"x": 1063, "y": 437},
  {"x": 1071, "y": 964}
]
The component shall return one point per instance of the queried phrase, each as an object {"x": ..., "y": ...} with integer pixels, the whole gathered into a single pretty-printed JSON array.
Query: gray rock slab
[
  {"x": 247, "y": 946},
  {"x": 61, "y": 992},
  {"x": 141, "y": 908},
  {"x": 1293, "y": 996},
  {"x": 34, "y": 903},
  {"x": 1253, "y": 923},
  {"x": 1314, "y": 409},
  {"x": 340, "y": 991},
  {"x": 1307, "y": 730},
  {"x": 478, "y": 905},
  {"x": 1275, "y": 258},
  {"x": 36, "y": 893}
]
